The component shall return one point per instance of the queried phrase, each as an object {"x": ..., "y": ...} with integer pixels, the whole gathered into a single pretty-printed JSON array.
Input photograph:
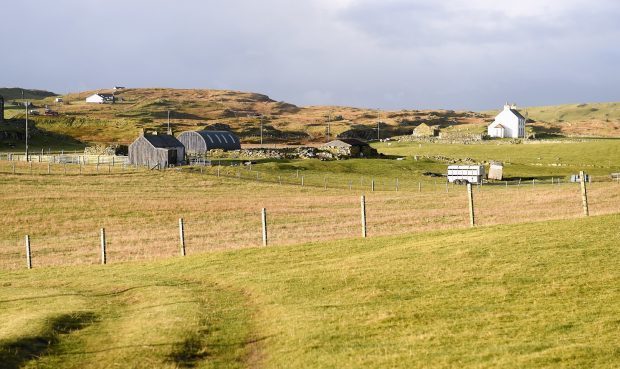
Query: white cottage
[
  {"x": 100, "y": 98},
  {"x": 508, "y": 124}
]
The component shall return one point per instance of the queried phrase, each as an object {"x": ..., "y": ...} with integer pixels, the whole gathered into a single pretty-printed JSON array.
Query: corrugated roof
[{"x": 163, "y": 141}]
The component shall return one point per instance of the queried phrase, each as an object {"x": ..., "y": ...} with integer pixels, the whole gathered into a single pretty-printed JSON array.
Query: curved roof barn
[{"x": 199, "y": 142}]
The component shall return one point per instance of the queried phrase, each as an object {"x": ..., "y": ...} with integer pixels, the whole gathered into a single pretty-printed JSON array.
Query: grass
[
  {"x": 534, "y": 295},
  {"x": 140, "y": 210}
]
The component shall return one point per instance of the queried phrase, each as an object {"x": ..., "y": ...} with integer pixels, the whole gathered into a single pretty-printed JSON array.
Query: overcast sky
[{"x": 455, "y": 54}]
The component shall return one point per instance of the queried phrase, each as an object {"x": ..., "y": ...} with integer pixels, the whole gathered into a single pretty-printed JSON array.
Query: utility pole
[
  {"x": 261, "y": 129},
  {"x": 378, "y": 132},
  {"x": 329, "y": 126},
  {"x": 26, "y": 128},
  {"x": 169, "y": 131}
]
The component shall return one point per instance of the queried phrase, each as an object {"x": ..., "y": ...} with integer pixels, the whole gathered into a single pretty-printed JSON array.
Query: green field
[{"x": 533, "y": 295}]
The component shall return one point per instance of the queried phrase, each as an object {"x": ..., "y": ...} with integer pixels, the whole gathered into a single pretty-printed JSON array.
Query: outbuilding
[
  {"x": 156, "y": 150},
  {"x": 424, "y": 130},
  {"x": 199, "y": 142},
  {"x": 350, "y": 147}
]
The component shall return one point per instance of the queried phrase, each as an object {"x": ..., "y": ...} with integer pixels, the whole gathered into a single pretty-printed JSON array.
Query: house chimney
[
  {"x": 141, "y": 131},
  {"x": 506, "y": 106}
]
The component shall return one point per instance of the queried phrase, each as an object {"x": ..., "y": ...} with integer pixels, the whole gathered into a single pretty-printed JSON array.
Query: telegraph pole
[
  {"x": 378, "y": 132},
  {"x": 169, "y": 131},
  {"x": 261, "y": 129},
  {"x": 26, "y": 129}
]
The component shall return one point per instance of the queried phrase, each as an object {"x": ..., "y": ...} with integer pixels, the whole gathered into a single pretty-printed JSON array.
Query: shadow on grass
[{"x": 15, "y": 353}]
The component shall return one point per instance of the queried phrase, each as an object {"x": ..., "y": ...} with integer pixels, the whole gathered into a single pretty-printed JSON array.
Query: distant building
[
  {"x": 119, "y": 87},
  {"x": 1, "y": 109},
  {"x": 100, "y": 99},
  {"x": 508, "y": 124},
  {"x": 350, "y": 147},
  {"x": 424, "y": 130},
  {"x": 199, "y": 142},
  {"x": 156, "y": 150},
  {"x": 58, "y": 100}
]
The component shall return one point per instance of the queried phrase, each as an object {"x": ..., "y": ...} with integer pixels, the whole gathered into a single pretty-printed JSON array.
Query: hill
[
  {"x": 240, "y": 111},
  {"x": 535, "y": 295},
  {"x": 23, "y": 93},
  {"x": 243, "y": 113}
]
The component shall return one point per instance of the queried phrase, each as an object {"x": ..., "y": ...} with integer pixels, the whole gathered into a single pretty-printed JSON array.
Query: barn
[
  {"x": 199, "y": 142},
  {"x": 156, "y": 150}
]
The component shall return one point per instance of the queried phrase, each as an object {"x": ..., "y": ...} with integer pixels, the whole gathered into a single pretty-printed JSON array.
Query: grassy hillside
[
  {"x": 536, "y": 295},
  {"x": 241, "y": 111},
  {"x": 29, "y": 94},
  {"x": 585, "y": 120}
]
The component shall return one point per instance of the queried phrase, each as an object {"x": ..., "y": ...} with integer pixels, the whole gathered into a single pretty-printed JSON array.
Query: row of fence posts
[{"x": 472, "y": 223}]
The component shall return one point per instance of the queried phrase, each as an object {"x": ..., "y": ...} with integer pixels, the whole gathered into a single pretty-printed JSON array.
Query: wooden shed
[
  {"x": 156, "y": 150},
  {"x": 199, "y": 142}
]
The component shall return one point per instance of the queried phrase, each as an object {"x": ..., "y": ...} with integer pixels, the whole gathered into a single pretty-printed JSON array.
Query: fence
[
  {"x": 296, "y": 220},
  {"x": 67, "y": 158}
]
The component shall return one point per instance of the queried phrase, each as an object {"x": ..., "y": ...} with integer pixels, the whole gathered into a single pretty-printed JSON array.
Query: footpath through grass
[{"x": 530, "y": 295}]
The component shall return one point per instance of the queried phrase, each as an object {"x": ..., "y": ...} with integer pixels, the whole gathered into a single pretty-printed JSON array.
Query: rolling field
[
  {"x": 533, "y": 295},
  {"x": 140, "y": 210}
]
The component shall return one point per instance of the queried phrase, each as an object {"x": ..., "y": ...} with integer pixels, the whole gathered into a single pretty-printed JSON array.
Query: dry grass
[{"x": 140, "y": 211}]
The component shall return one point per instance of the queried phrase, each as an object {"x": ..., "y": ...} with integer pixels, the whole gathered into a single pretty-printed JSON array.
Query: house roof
[
  {"x": 163, "y": 141},
  {"x": 346, "y": 142},
  {"x": 515, "y": 112}
]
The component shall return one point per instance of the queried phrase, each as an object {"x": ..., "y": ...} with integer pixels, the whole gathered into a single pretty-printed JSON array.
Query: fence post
[
  {"x": 13, "y": 167},
  {"x": 396, "y": 184},
  {"x": 324, "y": 183},
  {"x": 103, "y": 250},
  {"x": 363, "y": 210},
  {"x": 30, "y": 166},
  {"x": 419, "y": 186},
  {"x": 584, "y": 193},
  {"x": 64, "y": 168},
  {"x": 28, "y": 254},
  {"x": 218, "y": 171},
  {"x": 372, "y": 185},
  {"x": 470, "y": 196},
  {"x": 302, "y": 181},
  {"x": 264, "y": 223},
  {"x": 182, "y": 236},
  {"x": 350, "y": 185}
]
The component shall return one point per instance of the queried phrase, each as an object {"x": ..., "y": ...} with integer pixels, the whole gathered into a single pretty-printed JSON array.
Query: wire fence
[{"x": 297, "y": 219}]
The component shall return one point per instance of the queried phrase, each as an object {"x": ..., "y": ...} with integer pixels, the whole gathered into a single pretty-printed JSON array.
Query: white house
[
  {"x": 508, "y": 124},
  {"x": 100, "y": 98}
]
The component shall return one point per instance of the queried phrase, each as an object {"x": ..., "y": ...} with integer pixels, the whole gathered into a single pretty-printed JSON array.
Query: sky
[{"x": 389, "y": 54}]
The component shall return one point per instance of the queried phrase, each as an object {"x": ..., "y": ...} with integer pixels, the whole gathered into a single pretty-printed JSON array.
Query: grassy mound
[{"x": 530, "y": 295}]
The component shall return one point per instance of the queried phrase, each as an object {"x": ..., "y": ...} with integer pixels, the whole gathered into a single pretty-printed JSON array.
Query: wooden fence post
[
  {"x": 49, "y": 168},
  {"x": 584, "y": 193},
  {"x": 103, "y": 250},
  {"x": 350, "y": 185},
  {"x": 28, "y": 254},
  {"x": 302, "y": 181},
  {"x": 470, "y": 196},
  {"x": 419, "y": 186},
  {"x": 372, "y": 185},
  {"x": 324, "y": 183},
  {"x": 13, "y": 167},
  {"x": 182, "y": 236},
  {"x": 363, "y": 210},
  {"x": 30, "y": 166},
  {"x": 264, "y": 223},
  {"x": 396, "y": 184}
]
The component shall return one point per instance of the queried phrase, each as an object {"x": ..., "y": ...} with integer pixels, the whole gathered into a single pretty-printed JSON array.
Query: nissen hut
[
  {"x": 156, "y": 150},
  {"x": 199, "y": 142}
]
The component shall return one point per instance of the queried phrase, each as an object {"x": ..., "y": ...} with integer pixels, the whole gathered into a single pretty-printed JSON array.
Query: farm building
[
  {"x": 199, "y": 142},
  {"x": 156, "y": 150},
  {"x": 350, "y": 147},
  {"x": 100, "y": 98},
  {"x": 508, "y": 124},
  {"x": 1, "y": 109},
  {"x": 424, "y": 130}
]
